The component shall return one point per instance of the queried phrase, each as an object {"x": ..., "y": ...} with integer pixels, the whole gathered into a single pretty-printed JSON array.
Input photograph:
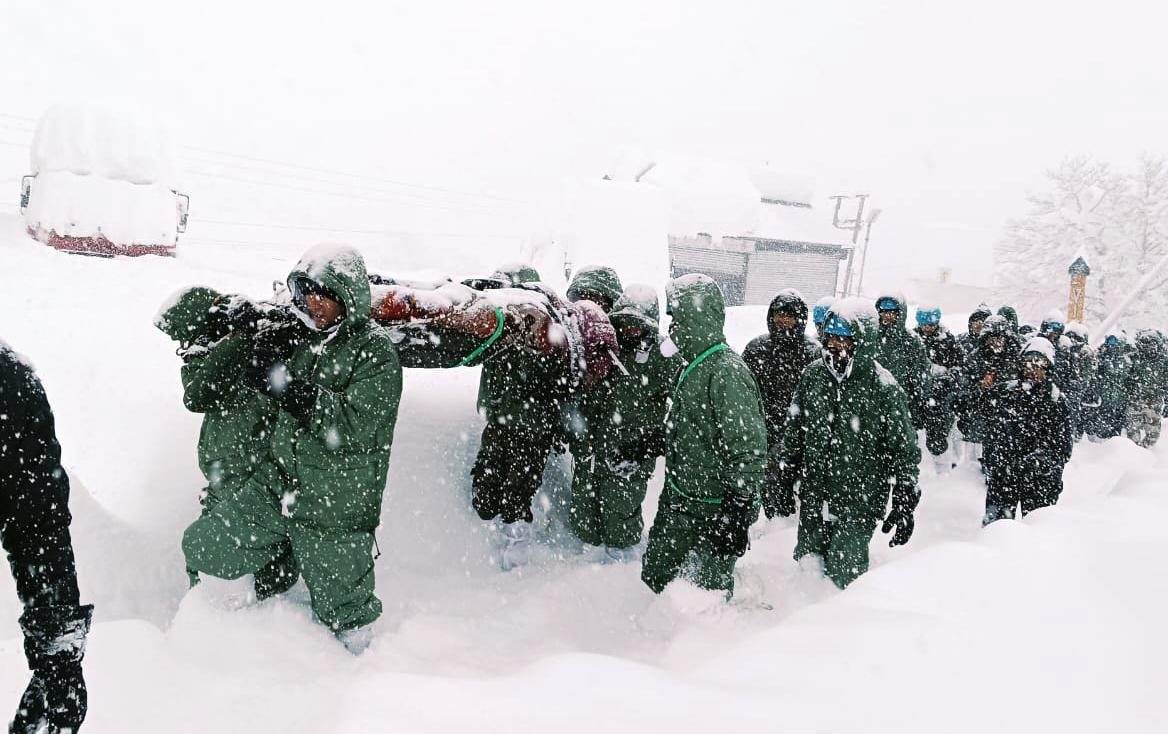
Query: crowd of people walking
[{"x": 823, "y": 418}]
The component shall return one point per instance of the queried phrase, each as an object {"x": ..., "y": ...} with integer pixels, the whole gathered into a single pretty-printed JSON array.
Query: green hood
[
  {"x": 638, "y": 304},
  {"x": 340, "y": 270},
  {"x": 699, "y": 314},
  {"x": 863, "y": 320},
  {"x": 185, "y": 317},
  {"x": 514, "y": 275},
  {"x": 598, "y": 279}
]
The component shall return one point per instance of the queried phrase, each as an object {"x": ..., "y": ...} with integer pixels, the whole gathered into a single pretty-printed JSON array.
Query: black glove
[
  {"x": 241, "y": 314},
  {"x": 900, "y": 518},
  {"x": 649, "y": 445},
  {"x": 728, "y": 535},
  {"x": 903, "y": 523},
  {"x": 266, "y": 372},
  {"x": 54, "y": 645},
  {"x": 1041, "y": 463}
]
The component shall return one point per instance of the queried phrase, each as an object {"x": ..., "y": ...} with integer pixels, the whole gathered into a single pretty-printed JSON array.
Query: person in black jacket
[
  {"x": 946, "y": 360},
  {"x": 993, "y": 363},
  {"x": 34, "y": 530},
  {"x": 1028, "y": 438},
  {"x": 777, "y": 359}
]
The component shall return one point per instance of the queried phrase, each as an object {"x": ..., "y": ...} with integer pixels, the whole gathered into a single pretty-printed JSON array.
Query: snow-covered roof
[
  {"x": 726, "y": 199},
  {"x": 119, "y": 145}
]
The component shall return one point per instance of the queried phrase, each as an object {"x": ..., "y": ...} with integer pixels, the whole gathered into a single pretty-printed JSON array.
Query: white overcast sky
[{"x": 946, "y": 112}]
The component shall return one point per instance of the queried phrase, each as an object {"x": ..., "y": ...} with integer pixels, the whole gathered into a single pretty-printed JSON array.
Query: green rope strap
[
  {"x": 490, "y": 340},
  {"x": 692, "y": 365},
  {"x": 685, "y": 373},
  {"x": 707, "y": 500}
]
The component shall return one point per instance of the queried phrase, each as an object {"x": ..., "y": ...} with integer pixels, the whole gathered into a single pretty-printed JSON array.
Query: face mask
[
  {"x": 668, "y": 347},
  {"x": 837, "y": 362}
]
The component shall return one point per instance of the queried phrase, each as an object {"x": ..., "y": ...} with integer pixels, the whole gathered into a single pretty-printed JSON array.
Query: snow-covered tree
[
  {"x": 1117, "y": 222},
  {"x": 1142, "y": 213}
]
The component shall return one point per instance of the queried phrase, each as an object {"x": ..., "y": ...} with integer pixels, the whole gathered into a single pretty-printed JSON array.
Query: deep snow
[{"x": 1049, "y": 624}]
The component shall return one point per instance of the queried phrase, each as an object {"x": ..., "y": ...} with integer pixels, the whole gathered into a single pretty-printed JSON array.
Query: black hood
[{"x": 792, "y": 301}]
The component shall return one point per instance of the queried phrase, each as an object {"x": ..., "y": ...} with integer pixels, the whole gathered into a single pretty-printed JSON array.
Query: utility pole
[
  {"x": 1078, "y": 271},
  {"x": 855, "y": 225},
  {"x": 864, "y": 260}
]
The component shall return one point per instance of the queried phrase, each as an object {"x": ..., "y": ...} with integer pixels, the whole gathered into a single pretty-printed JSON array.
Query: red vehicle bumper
[{"x": 96, "y": 245}]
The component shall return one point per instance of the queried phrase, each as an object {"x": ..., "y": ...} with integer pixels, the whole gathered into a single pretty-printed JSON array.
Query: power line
[
  {"x": 341, "y": 194},
  {"x": 263, "y": 171},
  {"x": 312, "y": 228},
  {"x": 347, "y": 174}
]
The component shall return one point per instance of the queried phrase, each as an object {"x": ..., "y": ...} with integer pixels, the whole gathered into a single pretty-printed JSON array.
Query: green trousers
[
  {"x": 246, "y": 532},
  {"x": 606, "y": 507},
  {"x": 676, "y": 548},
  {"x": 841, "y": 541}
]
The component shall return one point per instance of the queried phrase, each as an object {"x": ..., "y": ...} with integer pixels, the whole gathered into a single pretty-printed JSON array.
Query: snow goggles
[
  {"x": 818, "y": 314},
  {"x": 302, "y": 287},
  {"x": 835, "y": 326},
  {"x": 1055, "y": 326},
  {"x": 887, "y": 304},
  {"x": 928, "y": 317}
]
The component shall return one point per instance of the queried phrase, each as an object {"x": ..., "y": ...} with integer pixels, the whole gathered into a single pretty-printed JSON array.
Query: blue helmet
[
  {"x": 887, "y": 303},
  {"x": 836, "y": 326},
  {"x": 1052, "y": 325},
  {"x": 818, "y": 314},
  {"x": 928, "y": 316}
]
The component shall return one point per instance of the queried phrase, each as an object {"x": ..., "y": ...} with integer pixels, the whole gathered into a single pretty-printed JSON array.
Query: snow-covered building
[
  {"x": 754, "y": 231},
  {"x": 103, "y": 182}
]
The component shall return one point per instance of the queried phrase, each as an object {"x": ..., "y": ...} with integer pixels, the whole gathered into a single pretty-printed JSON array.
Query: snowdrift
[{"x": 1049, "y": 624}]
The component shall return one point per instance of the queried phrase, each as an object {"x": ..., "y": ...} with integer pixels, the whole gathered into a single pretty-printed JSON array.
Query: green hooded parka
[
  {"x": 323, "y": 494},
  {"x": 716, "y": 441},
  {"x": 848, "y": 446}
]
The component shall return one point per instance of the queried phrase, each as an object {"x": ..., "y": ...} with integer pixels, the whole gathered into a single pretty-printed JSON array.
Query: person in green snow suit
[
  {"x": 596, "y": 283},
  {"x": 237, "y": 421},
  {"x": 902, "y": 353},
  {"x": 611, "y": 469},
  {"x": 337, "y": 394},
  {"x": 521, "y": 396},
  {"x": 1109, "y": 388},
  {"x": 715, "y": 448},
  {"x": 1147, "y": 387},
  {"x": 849, "y": 444},
  {"x": 215, "y": 335}
]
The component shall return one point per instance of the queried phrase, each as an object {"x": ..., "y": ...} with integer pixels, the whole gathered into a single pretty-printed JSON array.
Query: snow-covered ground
[{"x": 1054, "y": 623}]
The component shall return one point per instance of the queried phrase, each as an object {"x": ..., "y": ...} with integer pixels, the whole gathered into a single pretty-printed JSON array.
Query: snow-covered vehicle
[{"x": 102, "y": 183}]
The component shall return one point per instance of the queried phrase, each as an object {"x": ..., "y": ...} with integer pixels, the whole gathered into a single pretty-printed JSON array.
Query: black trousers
[{"x": 509, "y": 469}]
